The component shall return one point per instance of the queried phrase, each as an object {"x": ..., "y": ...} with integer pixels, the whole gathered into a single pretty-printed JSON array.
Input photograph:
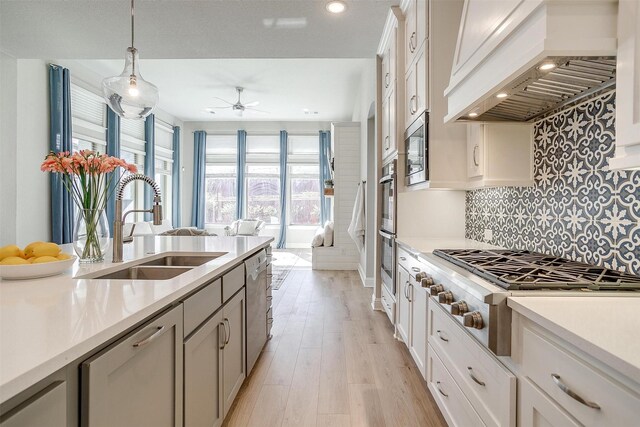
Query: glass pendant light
[{"x": 128, "y": 94}]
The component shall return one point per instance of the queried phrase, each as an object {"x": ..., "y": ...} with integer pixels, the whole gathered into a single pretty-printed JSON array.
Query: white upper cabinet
[
  {"x": 627, "y": 154},
  {"x": 389, "y": 62},
  {"x": 416, "y": 27},
  {"x": 499, "y": 41}
]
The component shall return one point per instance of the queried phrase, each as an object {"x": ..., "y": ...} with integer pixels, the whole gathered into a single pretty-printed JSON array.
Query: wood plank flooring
[{"x": 332, "y": 361}]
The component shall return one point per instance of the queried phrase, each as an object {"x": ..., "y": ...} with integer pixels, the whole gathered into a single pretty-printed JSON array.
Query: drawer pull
[
  {"x": 441, "y": 337},
  {"x": 415, "y": 269},
  {"x": 562, "y": 386},
  {"x": 440, "y": 390},
  {"x": 403, "y": 258},
  {"x": 153, "y": 336},
  {"x": 473, "y": 377}
]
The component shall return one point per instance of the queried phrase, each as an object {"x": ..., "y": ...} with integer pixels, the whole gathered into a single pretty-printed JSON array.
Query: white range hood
[{"x": 502, "y": 45}]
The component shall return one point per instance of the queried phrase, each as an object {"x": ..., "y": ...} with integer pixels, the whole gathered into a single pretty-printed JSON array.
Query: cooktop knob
[
  {"x": 426, "y": 281},
  {"x": 445, "y": 297},
  {"x": 459, "y": 308},
  {"x": 436, "y": 289},
  {"x": 473, "y": 320}
]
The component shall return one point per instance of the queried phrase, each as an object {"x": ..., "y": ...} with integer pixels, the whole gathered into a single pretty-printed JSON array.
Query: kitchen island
[{"x": 51, "y": 323}]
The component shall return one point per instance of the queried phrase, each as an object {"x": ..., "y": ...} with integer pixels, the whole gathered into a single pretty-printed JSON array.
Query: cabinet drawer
[
  {"x": 232, "y": 282},
  {"x": 408, "y": 261},
  {"x": 199, "y": 306},
  {"x": 489, "y": 386},
  {"x": 388, "y": 305},
  {"x": 454, "y": 405},
  {"x": 551, "y": 367}
]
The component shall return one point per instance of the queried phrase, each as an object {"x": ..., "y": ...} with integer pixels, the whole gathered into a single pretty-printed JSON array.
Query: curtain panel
[
  {"x": 282, "y": 237},
  {"x": 60, "y": 140},
  {"x": 149, "y": 161},
  {"x": 325, "y": 173},
  {"x": 199, "y": 168},
  {"x": 175, "y": 178},
  {"x": 113, "y": 149},
  {"x": 241, "y": 167}
]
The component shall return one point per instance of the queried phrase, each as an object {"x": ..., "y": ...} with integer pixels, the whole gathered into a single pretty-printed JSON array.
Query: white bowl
[{"x": 35, "y": 271}]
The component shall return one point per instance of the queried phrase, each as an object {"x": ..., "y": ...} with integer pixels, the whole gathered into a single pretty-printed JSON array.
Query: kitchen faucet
[{"x": 118, "y": 223}]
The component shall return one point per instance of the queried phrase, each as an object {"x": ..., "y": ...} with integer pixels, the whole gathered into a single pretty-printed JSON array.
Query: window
[
  {"x": 164, "y": 166},
  {"x": 304, "y": 184},
  {"x": 132, "y": 151},
  {"x": 88, "y": 120},
  {"x": 263, "y": 193},
  {"x": 220, "y": 200}
]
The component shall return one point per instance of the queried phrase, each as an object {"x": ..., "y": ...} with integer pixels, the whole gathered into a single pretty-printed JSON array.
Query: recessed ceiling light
[
  {"x": 474, "y": 114},
  {"x": 502, "y": 95},
  {"x": 336, "y": 6}
]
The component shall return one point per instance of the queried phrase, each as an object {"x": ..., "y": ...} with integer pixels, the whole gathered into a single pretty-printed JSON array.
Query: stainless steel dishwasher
[{"x": 257, "y": 305}]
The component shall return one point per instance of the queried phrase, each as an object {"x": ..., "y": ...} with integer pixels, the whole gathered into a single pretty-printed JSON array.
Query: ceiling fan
[{"x": 238, "y": 107}]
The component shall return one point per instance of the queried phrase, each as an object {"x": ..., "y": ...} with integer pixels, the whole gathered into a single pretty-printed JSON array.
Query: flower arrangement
[{"x": 90, "y": 177}]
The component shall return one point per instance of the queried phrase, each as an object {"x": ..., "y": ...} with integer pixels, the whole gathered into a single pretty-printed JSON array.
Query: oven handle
[
  {"x": 387, "y": 178},
  {"x": 386, "y": 235}
]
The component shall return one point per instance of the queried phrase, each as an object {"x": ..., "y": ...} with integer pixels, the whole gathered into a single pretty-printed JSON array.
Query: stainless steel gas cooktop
[{"x": 525, "y": 270}]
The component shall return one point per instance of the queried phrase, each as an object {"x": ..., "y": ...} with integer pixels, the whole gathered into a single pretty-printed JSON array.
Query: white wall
[
  {"x": 297, "y": 237},
  {"x": 8, "y": 136},
  {"x": 25, "y": 140},
  {"x": 431, "y": 213},
  {"x": 363, "y": 111}
]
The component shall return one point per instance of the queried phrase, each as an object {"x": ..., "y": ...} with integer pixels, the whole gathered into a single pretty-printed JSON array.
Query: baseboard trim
[
  {"x": 376, "y": 303},
  {"x": 367, "y": 282}
]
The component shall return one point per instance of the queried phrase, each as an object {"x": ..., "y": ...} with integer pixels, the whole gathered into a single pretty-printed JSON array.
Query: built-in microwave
[{"x": 416, "y": 144}]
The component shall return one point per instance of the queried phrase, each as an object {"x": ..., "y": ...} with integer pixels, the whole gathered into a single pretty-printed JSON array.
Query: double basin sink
[{"x": 164, "y": 268}]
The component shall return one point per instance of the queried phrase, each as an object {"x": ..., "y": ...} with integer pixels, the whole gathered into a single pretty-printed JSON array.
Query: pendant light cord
[
  {"x": 133, "y": 53},
  {"x": 132, "y": 21}
]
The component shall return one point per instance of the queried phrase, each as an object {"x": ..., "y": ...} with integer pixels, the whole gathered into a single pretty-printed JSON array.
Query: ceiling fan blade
[
  {"x": 257, "y": 111},
  {"x": 252, "y": 104},
  {"x": 220, "y": 108},
  {"x": 223, "y": 100}
]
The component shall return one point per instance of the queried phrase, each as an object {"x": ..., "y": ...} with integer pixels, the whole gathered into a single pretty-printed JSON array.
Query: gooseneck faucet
[{"x": 118, "y": 223}]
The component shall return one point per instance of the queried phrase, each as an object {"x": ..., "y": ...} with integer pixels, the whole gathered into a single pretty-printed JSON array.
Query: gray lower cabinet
[
  {"x": 234, "y": 348},
  {"x": 203, "y": 406},
  {"x": 137, "y": 381},
  {"x": 46, "y": 408}
]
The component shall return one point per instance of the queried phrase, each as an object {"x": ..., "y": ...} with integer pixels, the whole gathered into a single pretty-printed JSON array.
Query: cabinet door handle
[
  {"x": 562, "y": 386},
  {"x": 412, "y": 46},
  {"x": 156, "y": 334},
  {"x": 405, "y": 289},
  {"x": 225, "y": 331},
  {"x": 476, "y": 160},
  {"x": 441, "y": 337},
  {"x": 440, "y": 390},
  {"x": 387, "y": 80},
  {"x": 473, "y": 377},
  {"x": 224, "y": 340},
  {"x": 411, "y": 109},
  {"x": 409, "y": 289},
  {"x": 386, "y": 142}
]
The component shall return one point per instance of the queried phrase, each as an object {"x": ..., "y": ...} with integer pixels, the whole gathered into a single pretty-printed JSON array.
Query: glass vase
[{"x": 91, "y": 235}]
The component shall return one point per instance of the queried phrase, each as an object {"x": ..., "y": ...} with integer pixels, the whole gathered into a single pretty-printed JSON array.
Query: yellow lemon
[
  {"x": 44, "y": 249},
  {"x": 29, "y": 248},
  {"x": 43, "y": 259},
  {"x": 64, "y": 256},
  {"x": 9, "y": 251},
  {"x": 13, "y": 260}
]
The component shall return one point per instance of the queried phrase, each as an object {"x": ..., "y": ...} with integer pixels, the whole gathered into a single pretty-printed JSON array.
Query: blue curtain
[
  {"x": 149, "y": 161},
  {"x": 113, "y": 149},
  {"x": 60, "y": 140},
  {"x": 241, "y": 165},
  {"x": 199, "y": 165},
  {"x": 282, "y": 238},
  {"x": 325, "y": 173},
  {"x": 175, "y": 178}
]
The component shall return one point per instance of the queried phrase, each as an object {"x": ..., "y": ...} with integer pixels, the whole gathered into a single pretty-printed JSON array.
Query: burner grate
[{"x": 512, "y": 269}]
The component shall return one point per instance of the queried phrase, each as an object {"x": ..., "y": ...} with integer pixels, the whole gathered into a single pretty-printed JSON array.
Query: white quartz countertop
[
  {"x": 607, "y": 327},
  {"x": 428, "y": 245},
  {"x": 47, "y": 323}
]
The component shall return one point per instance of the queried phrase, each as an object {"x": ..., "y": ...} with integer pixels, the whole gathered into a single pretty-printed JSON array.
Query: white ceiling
[
  {"x": 284, "y": 87},
  {"x": 168, "y": 29}
]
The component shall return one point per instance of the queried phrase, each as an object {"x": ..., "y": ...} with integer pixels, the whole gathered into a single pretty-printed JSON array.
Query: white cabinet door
[
  {"x": 536, "y": 409},
  {"x": 403, "y": 324},
  {"x": 475, "y": 150},
  {"x": 418, "y": 340},
  {"x": 392, "y": 123},
  {"x": 410, "y": 35},
  {"x": 627, "y": 154},
  {"x": 202, "y": 383},
  {"x": 138, "y": 380},
  {"x": 422, "y": 82},
  {"x": 386, "y": 127},
  {"x": 46, "y": 408},
  {"x": 233, "y": 352},
  {"x": 389, "y": 63},
  {"x": 410, "y": 97},
  {"x": 422, "y": 22}
]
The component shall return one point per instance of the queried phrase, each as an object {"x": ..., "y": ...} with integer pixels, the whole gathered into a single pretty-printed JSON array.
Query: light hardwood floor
[{"x": 332, "y": 361}]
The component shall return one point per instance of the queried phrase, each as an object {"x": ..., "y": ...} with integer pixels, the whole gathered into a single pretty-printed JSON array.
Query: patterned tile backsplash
[{"x": 577, "y": 208}]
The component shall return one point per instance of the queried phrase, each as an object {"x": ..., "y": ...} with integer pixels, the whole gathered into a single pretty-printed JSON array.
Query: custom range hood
[{"x": 518, "y": 60}]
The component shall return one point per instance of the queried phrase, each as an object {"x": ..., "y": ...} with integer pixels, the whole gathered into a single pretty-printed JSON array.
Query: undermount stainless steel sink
[
  {"x": 142, "y": 272},
  {"x": 184, "y": 260}
]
